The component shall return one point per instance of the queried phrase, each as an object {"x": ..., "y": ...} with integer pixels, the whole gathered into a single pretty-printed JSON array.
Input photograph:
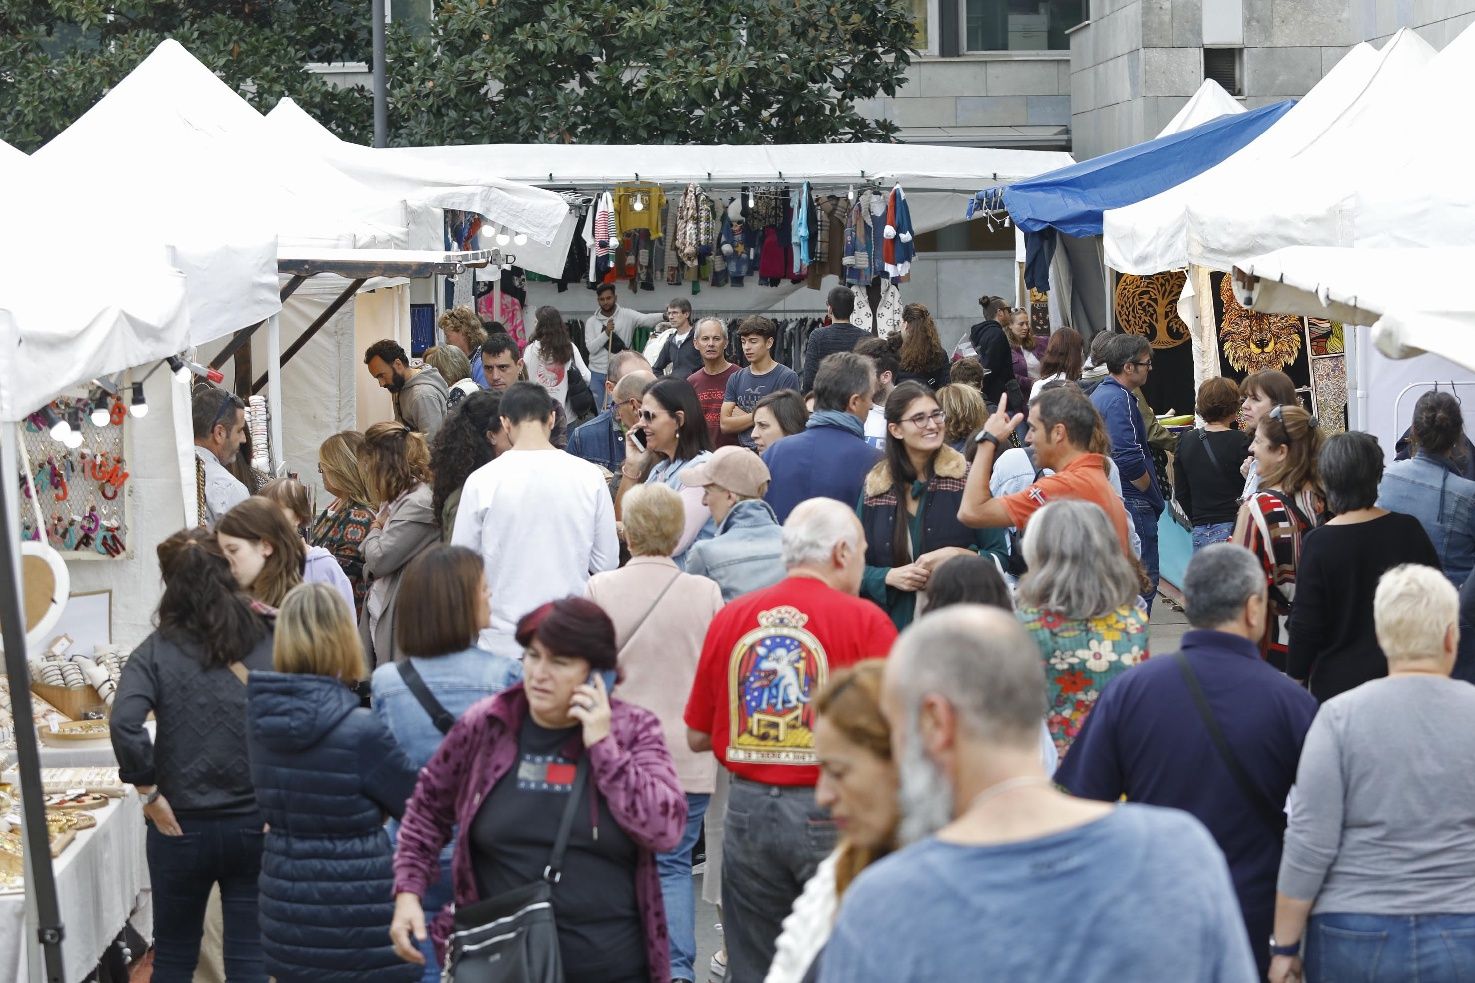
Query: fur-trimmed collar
[{"x": 950, "y": 464}]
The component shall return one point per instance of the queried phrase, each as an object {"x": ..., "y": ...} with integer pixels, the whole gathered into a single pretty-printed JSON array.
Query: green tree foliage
[
  {"x": 58, "y": 57},
  {"x": 586, "y": 71},
  {"x": 649, "y": 71}
]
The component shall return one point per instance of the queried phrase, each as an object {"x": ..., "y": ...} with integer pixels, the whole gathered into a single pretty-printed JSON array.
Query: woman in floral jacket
[{"x": 1080, "y": 601}]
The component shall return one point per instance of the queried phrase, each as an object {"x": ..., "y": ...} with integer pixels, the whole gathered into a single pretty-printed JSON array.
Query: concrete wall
[
  {"x": 994, "y": 99},
  {"x": 1439, "y": 21}
]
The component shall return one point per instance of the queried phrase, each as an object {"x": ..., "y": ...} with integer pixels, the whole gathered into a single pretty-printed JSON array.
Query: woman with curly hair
[
  {"x": 919, "y": 349},
  {"x": 397, "y": 466},
  {"x": 551, "y": 356},
  {"x": 472, "y": 436}
]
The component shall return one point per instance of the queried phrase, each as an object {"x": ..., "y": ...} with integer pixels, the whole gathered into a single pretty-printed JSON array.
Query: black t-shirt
[
  {"x": 600, "y": 934},
  {"x": 1208, "y": 486}
]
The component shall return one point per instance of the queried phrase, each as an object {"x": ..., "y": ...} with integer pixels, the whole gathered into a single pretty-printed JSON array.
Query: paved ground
[{"x": 1168, "y": 626}]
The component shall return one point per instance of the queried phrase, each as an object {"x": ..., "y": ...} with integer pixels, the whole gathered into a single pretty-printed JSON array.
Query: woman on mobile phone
[
  {"x": 503, "y": 776},
  {"x": 671, "y": 437}
]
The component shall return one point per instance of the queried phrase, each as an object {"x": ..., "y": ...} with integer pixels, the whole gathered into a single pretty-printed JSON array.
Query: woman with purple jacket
[{"x": 503, "y": 775}]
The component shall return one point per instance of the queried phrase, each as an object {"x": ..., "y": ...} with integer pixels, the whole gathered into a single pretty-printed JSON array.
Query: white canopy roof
[
  {"x": 1155, "y": 234},
  {"x": 68, "y": 315},
  {"x": 1209, "y": 102},
  {"x": 520, "y": 207},
  {"x": 1375, "y": 286},
  {"x": 1396, "y": 175}
]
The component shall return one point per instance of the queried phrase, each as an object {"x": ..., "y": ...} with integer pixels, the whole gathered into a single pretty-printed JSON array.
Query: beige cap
[{"x": 737, "y": 469}]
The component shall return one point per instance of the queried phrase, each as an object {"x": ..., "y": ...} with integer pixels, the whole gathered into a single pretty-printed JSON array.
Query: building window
[
  {"x": 1225, "y": 66},
  {"x": 1019, "y": 25}
]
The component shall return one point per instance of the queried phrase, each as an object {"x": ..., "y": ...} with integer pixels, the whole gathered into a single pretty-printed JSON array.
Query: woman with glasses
[
  {"x": 670, "y": 437},
  {"x": 909, "y": 506}
]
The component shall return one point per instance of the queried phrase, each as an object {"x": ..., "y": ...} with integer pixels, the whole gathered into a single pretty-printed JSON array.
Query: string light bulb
[
  {"x": 100, "y": 410},
  {"x": 851, "y": 194},
  {"x": 521, "y": 239},
  {"x": 638, "y": 204},
  {"x": 752, "y": 199},
  {"x": 56, "y": 424},
  {"x": 503, "y": 238},
  {"x": 140, "y": 407},
  {"x": 181, "y": 371}
]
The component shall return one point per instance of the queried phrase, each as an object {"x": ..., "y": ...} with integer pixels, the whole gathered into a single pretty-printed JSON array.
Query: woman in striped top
[{"x": 1289, "y": 503}]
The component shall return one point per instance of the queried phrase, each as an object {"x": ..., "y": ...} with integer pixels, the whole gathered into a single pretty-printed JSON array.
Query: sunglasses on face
[{"x": 648, "y": 416}]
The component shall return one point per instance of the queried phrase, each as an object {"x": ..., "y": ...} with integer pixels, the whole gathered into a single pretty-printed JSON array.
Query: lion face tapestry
[
  {"x": 1148, "y": 306},
  {"x": 1250, "y": 341}
]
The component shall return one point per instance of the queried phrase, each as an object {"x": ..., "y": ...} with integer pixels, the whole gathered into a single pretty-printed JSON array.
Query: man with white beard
[{"x": 1003, "y": 877}]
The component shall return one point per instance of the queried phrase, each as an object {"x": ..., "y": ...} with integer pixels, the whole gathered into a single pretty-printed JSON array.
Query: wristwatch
[
  {"x": 984, "y": 437},
  {"x": 1293, "y": 949},
  {"x": 150, "y": 797}
]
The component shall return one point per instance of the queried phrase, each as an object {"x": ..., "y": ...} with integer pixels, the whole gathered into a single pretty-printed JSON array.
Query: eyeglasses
[
  {"x": 1146, "y": 365},
  {"x": 648, "y": 416},
  {"x": 937, "y": 417}
]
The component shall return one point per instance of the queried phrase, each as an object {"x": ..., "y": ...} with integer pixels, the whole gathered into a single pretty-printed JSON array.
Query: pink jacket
[{"x": 631, "y": 769}]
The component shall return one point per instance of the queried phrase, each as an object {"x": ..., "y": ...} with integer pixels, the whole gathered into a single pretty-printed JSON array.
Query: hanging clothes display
[
  {"x": 898, "y": 249},
  {"x": 605, "y": 233},
  {"x": 735, "y": 245},
  {"x": 650, "y": 199}
]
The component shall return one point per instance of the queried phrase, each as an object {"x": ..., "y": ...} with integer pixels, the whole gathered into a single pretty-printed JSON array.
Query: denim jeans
[
  {"x": 182, "y": 869},
  {"x": 775, "y": 839},
  {"x": 596, "y": 386},
  {"x": 678, "y": 893},
  {"x": 1211, "y": 533},
  {"x": 1390, "y": 948},
  {"x": 1144, "y": 518}
]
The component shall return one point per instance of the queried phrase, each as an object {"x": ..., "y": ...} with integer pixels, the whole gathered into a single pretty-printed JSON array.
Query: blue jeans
[
  {"x": 437, "y": 896},
  {"x": 1390, "y": 948},
  {"x": 1144, "y": 518},
  {"x": 596, "y": 384},
  {"x": 1211, "y": 533},
  {"x": 676, "y": 891},
  {"x": 224, "y": 850}
]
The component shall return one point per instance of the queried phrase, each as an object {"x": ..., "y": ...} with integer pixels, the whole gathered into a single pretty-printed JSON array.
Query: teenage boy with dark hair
[{"x": 761, "y": 376}]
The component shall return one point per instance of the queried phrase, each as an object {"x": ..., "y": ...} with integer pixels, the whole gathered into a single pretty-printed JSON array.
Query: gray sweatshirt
[
  {"x": 421, "y": 405},
  {"x": 1383, "y": 811},
  {"x": 626, "y": 321}
]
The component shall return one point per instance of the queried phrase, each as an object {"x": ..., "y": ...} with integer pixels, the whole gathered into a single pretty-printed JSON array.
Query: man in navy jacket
[
  {"x": 1128, "y": 361},
  {"x": 831, "y": 458}
]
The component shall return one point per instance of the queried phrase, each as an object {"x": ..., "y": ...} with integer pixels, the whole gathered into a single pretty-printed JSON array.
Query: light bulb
[
  {"x": 752, "y": 200},
  {"x": 638, "y": 205},
  {"x": 100, "y": 414},
  {"x": 60, "y": 428},
  {"x": 851, "y": 193},
  {"x": 72, "y": 440},
  {"x": 503, "y": 238},
  {"x": 520, "y": 239},
  {"x": 140, "y": 407},
  {"x": 181, "y": 371}
]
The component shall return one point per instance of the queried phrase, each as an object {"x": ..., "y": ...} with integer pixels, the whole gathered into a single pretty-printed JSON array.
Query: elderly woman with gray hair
[
  {"x": 1080, "y": 602},
  {"x": 1377, "y": 878}
]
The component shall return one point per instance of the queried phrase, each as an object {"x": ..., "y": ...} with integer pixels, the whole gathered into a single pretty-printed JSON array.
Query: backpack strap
[{"x": 439, "y": 715}]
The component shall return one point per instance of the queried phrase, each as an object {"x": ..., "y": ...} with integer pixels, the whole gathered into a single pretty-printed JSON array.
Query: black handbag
[
  {"x": 580, "y": 397},
  {"x": 512, "y": 938}
]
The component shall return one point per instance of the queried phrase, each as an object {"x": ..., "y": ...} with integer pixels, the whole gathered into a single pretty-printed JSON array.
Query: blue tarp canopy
[{"x": 1072, "y": 199}]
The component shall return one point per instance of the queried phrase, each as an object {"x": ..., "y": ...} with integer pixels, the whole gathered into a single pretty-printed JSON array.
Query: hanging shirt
[{"x": 652, "y": 199}]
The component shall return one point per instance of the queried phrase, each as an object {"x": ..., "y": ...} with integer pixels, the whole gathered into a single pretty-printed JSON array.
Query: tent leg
[
  {"x": 40, "y": 879},
  {"x": 274, "y": 390}
]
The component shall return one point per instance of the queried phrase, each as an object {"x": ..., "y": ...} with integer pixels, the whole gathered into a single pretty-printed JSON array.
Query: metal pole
[
  {"x": 381, "y": 95},
  {"x": 41, "y": 880}
]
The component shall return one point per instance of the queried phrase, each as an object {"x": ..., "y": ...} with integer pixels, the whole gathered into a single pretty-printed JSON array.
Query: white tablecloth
[{"x": 102, "y": 882}]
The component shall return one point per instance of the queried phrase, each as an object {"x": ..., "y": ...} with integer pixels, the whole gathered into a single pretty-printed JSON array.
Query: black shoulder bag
[
  {"x": 439, "y": 715},
  {"x": 512, "y": 938},
  {"x": 580, "y": 397},
  {"x": 1273, "y": 817}
]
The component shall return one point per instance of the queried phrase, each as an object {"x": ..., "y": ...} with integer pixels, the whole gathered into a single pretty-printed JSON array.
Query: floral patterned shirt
[{"x": 1081, "y": 657}]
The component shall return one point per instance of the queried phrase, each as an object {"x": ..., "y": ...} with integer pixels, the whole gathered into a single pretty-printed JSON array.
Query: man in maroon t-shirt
[
  {"x": 766, "y": 657},
  {"x": 710, "y": 381}
]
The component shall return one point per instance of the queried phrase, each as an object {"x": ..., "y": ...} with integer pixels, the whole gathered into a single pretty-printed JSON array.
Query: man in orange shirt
[{"x": 1061, "y": 423}]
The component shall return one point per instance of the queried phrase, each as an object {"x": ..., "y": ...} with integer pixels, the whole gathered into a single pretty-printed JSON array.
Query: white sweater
[
  {"x": 807, "y": 927},
  {"x": 543, "y": 522}
]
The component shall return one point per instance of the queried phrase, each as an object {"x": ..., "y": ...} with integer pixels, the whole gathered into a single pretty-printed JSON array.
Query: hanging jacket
[
  {"x": 735, "y": 248},
  {"x": 689, "y": 239},
  {"x": 899, "y": 246},
  {"x": 325, "y": 771},
  {"x": 771, "y": 259},
  {"x": 672, "y": 265},
  {"x": 888, "y": 310}
]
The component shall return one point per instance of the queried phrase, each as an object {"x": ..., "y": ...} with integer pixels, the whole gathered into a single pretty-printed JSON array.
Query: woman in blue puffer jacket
[{"x": 326, "y": 771}]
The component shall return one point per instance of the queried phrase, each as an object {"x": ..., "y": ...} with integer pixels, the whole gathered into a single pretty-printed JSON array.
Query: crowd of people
[{"x": 873, "y": 630}]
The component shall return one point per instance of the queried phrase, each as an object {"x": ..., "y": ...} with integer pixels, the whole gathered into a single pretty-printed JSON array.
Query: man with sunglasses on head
[
  {"x": 220, "y": 433},
  {"x": 601, "y": 440},
  {"x": 1128, "y": 361}
]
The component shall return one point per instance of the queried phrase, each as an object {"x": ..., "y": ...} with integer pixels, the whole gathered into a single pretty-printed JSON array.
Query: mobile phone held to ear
[
  {"x": 608, "y": 675},
  {"x": 637, "y": 437}
]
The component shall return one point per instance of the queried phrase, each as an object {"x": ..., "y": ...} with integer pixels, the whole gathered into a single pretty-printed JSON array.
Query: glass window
[
  {"x": 923, "y": 22},
  {"x": 1020, "y": 25}
]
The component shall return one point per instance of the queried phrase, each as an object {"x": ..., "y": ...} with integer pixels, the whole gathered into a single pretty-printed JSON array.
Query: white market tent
[
  {"x": 1209, "y": 102},
  {"x": 1395, "y": 174},
  {"x": 1153, "y": 235}
]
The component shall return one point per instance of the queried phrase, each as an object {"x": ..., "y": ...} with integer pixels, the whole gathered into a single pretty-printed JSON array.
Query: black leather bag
[
  {"x": 580, "y": 396},
  {"x": 513, "y": 938}
]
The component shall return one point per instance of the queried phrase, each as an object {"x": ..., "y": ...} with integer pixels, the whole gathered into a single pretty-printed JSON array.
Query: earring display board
[{"x": 76, "y": 499}]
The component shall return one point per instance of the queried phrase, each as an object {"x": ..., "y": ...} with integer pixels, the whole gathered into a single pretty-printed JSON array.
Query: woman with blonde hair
[
  {"x": 325, "y": 770},
  {"x": 1079, "y": 599},
  {"x": 342, "y": 527},
  {"x": 965, "y": 412},
  {"x": 1289, "y": 503},
  {"x": 920, "y": 351},
  {"x": 320, "y": 567},
  {"x": 396, "y": 463},
  {"x": 858, "y": 784},
  {"x": 265, "y": 551}
]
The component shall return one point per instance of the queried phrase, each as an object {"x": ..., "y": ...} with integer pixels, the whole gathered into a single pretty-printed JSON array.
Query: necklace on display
[{"x": 1008, "y": 785}]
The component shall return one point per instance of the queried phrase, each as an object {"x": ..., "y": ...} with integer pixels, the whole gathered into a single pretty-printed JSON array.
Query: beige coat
[{"x": 659, "y": 665}]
